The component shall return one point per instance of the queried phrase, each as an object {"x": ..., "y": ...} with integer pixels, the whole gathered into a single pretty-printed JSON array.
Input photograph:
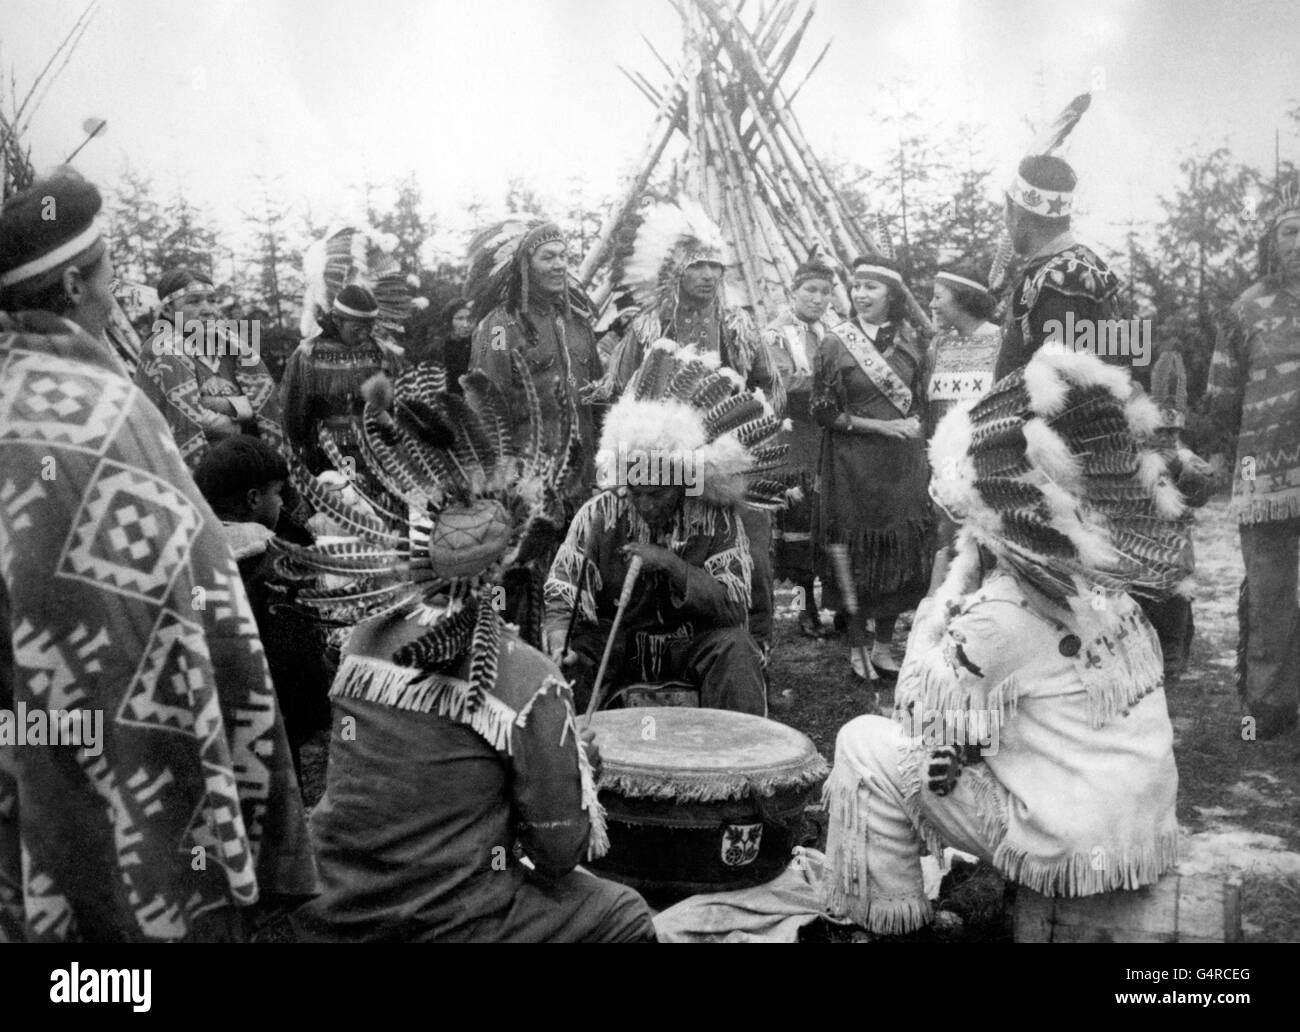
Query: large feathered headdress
[
  {"x": 472, "y": 505},
  {"x": 361, "y": 256},
  {"x": 1056, "y": 470},
  {"x": 684, "y": 416},
  {"x": 669, "y": 237},
  {"x": 498, "y": 265}
]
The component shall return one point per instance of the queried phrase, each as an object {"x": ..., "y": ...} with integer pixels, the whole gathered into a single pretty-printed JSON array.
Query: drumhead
[{"x": 701, "y": 754}]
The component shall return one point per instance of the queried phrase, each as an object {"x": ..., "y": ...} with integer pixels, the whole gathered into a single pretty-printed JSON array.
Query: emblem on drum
[{"x": 740, "y": 843}]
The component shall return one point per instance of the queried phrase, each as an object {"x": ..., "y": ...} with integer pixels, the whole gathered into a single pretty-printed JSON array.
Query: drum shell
[{"x": 667, "y": 849}]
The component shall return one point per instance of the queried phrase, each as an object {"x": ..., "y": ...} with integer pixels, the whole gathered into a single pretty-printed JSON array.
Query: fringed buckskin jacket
[
  {"x": 711, "y": 540},
  {"x": 1076, "y": 790}
]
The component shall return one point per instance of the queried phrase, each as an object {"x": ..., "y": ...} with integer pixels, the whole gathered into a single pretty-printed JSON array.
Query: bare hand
[
  {"x": 593, "y": 753},
  {"x": 653, "y": 557},
  {"x": 905, "y": 429}
]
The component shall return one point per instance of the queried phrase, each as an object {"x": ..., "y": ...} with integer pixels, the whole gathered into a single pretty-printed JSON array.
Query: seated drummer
[
  {"x": 454, "y": 745},
  {"x": 672, "y": 480}
]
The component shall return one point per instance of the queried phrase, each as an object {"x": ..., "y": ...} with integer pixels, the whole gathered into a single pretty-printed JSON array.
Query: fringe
[
  {"x": 1084, "y": 874},
  {"x": 846, "y": 890},
  {"x": 700, "y": 787},
  {"x": 1129, "y": 668},
  {"x": 732, "y": 568},
  {"x": 598, "y": 833},
  {"x": 652, "y": 647},
  {"x": 884, "y": 561},
  {"x": 1281, "y": 506},
  {"x": 374, "y": 680}
]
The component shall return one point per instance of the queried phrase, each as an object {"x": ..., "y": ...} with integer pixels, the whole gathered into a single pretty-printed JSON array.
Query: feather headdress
[
  {"x": 683, "y": 416},
  {"x": 473, "y": 505},
  {"x": 1056, "y": 469},
  {"x": 361, "y": 256},
  {"x": 498, "y": 269},
  {"x": 670, "y": 236}
]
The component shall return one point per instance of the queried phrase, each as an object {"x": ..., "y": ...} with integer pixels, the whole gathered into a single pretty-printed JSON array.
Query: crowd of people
[{"x": 439, "y": 541}]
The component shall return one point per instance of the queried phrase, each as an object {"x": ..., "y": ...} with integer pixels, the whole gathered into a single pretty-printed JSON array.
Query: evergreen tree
[
  {"x": 138, "y": 222},
  {"x": 188, "y": 239}
]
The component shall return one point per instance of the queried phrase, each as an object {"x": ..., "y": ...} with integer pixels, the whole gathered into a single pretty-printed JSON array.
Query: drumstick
[
  {"x": 844, "y": 574},
  {"x": 629, "y": 582}
]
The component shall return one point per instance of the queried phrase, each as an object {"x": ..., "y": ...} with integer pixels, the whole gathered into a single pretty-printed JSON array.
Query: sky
[{"x": 323, "y": 95}]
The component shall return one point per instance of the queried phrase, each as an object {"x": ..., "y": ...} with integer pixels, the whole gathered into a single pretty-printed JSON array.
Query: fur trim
[
  {"x": 1049, "y": 453},
  {"x": 1047, "y": 390},
  {"x": 1153, "y": 472}
]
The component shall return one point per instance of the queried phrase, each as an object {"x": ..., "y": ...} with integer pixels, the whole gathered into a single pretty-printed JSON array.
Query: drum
[{"x": 700, "y": 800}]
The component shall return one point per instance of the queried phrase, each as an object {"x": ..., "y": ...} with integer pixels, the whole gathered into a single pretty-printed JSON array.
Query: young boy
[{"x": 242, "y": 478}]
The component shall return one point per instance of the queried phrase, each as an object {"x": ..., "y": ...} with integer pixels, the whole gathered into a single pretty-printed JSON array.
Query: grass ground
[{"x": 1238, "y": 804}]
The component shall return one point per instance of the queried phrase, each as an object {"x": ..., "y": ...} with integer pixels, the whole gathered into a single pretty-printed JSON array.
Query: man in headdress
[
  {"x": 173, "y": 810},
  {"x": 455, "y": 742},
  {"x": 206, "y": 378},
  {"x": 676, "y": 274},
  {"x": 530, "y": 307},
  {"x": 1030, "y": 724},
  {"x": 519, "y": 277},
  {"x": 1253, "y": 384},
  {"x": 677, "y": 451},
  {"x": 322, "y": 380},
  {"x": 1064, "y": 284}
]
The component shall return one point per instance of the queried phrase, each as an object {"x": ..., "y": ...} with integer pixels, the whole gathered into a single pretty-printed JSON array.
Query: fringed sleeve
[
  {"x": 579, "y": 551},
  {"x": 560, "y": 821},
  {"x": 967, "y": 667},
  {"x": 720, "y": 591}
]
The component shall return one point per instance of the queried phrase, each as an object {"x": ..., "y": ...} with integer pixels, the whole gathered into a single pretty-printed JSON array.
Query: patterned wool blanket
[{"x": 120, "y": 600}]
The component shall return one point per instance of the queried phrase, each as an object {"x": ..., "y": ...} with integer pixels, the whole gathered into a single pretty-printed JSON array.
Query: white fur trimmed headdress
[
  {"x": 1056, "y": 470},
  {"x": 683, "y": 415}
]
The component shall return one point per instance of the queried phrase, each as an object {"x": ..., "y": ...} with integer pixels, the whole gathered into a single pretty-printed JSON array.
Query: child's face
[{"x": 266, "y": 502}]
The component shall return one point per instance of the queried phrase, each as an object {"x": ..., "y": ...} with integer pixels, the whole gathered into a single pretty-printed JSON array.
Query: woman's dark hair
[
  {"x": 52, "y": 298},
  {"x": 979, "y": 304},
  {"x": 896, "y": 309},
  {"x": 233, "y": 467},
  {"x": 448, "y": 313}
]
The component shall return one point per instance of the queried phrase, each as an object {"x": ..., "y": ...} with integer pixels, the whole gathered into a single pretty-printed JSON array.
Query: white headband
[
  {"x": 952, "y": 277},
  {"x": 185, "y": 288},
  {"x": 83, "y": 241},
  {"x": 1052, "y": 203},
  {"x": 343, "y": 309},
  {"x": 877, "y": 270}
]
